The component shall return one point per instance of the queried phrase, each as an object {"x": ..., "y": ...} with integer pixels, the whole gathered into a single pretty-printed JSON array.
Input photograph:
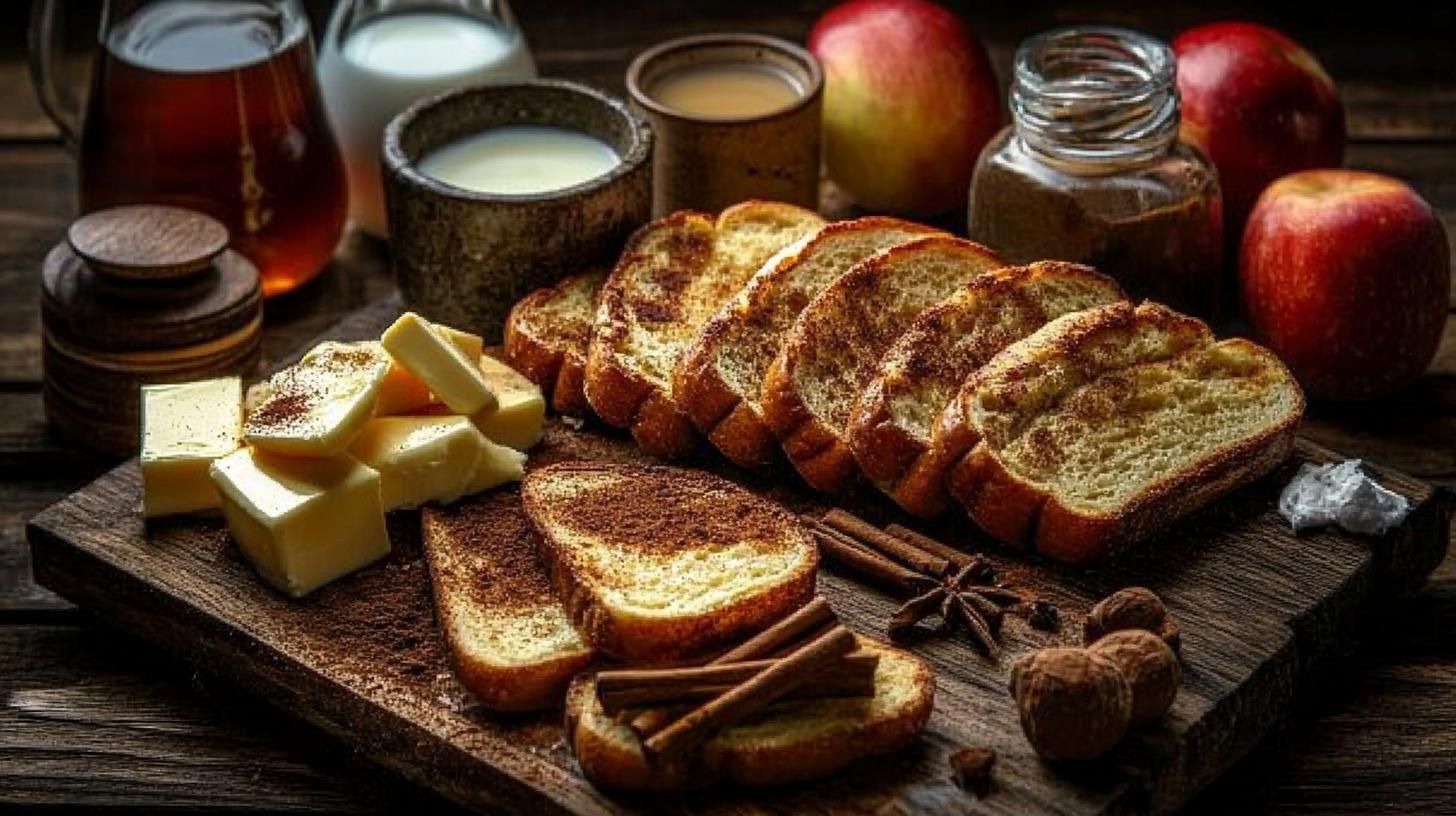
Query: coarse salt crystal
[{"x": 1341, "y": 494}]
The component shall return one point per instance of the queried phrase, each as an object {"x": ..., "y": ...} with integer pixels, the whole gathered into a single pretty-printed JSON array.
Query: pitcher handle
[{"x": 58, "y": 103}]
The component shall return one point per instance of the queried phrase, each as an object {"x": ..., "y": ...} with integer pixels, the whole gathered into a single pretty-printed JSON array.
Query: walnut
[
  {"x": 1131, "y": 608},
  {"x": 1073, "y": 704},
  {"x": 1151, "y": 669}
]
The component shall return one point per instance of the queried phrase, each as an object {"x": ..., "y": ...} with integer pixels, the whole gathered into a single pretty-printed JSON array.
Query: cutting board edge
[{"x": 357, "y": 715}]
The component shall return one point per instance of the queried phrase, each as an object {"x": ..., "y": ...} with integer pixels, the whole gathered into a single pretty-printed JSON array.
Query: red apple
[
  {"x": 909, "y": 101},
  {"x": 1259, "y": 106},
  {"x": 1346, "y": 275}
]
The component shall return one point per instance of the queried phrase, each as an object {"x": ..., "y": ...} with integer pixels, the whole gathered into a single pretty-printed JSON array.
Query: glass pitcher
[
  {"x": 379, "y": 56},
  {"x": 211, "y": 105}
]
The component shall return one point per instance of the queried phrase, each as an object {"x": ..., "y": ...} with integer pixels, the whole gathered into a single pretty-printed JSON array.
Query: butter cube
[
  {"x": 420, "y": 458},
  {"x": 185, "y": 427},
  {"x": 302, "y": 522},
  {"x": 497, "y": 465},
  {"x": 471, "y": 345},
  {"x": 453, "y": 377},
  {"x": 318, "y": 405},
  {"x": 401, "y": 392},
  {"x": 520, "y": 409}
]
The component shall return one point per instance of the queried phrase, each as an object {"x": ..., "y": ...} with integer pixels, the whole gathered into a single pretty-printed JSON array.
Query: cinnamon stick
[
  {"x": 868, "y": 563},
  {"x": 901, "y": 550},
  {"x": 810, "y": 617},
  {"x": 807, "y": 618},
  {"x": 743, "y": 700},
  {"x": 958, "y": 559},
  {"x": 614, "y": 681},
  {"x": 854, "y": 676}
]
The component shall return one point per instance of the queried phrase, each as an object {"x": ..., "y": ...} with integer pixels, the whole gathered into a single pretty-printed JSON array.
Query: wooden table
[{"x": 90, "y": 718}]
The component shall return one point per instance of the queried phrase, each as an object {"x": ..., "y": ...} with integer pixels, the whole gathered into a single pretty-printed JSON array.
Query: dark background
[{"x": 91, "y": 718}]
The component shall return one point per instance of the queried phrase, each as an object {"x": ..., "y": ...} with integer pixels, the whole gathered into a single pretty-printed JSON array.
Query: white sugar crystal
[{"x": 1340, "y": 494}]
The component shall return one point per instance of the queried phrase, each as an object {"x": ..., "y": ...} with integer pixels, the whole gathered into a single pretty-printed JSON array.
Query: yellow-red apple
[
  {"x": 1346, "y": 275},
  {"x": 1259, "y": 106},
  {"x": 909, "y": 101}
]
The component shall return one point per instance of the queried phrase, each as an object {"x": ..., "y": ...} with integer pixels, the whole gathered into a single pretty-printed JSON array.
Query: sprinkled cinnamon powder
[{"x": 293, "y": 394}]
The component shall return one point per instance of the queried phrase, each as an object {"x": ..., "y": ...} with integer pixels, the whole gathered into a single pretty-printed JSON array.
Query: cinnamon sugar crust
[{"x": 659, "y": 563}]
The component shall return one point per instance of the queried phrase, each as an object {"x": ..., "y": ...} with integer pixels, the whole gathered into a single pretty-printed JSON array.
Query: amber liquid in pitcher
[{"x": 214, "y": 107}]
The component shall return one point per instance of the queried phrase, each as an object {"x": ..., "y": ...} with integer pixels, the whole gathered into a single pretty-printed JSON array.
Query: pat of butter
[
  {"x": 471, "y": 345},
  {"x": 433, "y": 458},
  {"x": 302, "y": 522},
  {"x": 497, "y": 465},
  {"x": 184, "y": 428},
  {"x": 453, "y": 377},
  {"x": 520, "y": 410},
  {"x": 403, "y": 392},
  {"x": 318, "y": 405},
  {"x": 419, "y": 459}
]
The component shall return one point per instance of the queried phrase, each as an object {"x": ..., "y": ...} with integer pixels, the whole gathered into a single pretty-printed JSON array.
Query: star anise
[
  {"x": 961, "y": 588},
  {"x": 969, "y": 598}
]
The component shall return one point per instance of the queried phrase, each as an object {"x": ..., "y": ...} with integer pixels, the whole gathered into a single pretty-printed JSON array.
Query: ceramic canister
[
  {"x": 708, "y": 163},
  {"x": 463, "y": 257}
]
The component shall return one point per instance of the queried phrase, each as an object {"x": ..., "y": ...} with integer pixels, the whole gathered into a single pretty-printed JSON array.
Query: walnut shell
[
  {"x": 1074, "y": 704},
  {"x": 1151, "y": 669},
  {"x": 1131, "y": 608}
]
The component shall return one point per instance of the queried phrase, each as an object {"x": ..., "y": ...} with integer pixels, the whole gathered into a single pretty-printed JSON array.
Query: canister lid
[
  {"x": 140, "y": 295},
  {"x": 89, "y": 307},
  {"x": 147, "y": 242}
]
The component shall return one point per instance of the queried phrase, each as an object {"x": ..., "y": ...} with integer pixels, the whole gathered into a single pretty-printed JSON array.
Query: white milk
[
  {"x": 389, "y": 63},
  {"x": 520, "y": 159}
]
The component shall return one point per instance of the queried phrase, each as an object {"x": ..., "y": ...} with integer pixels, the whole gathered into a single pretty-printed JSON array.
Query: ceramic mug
[
  {"x": 708, "y": 163},
  {"x": 463, "y": 257}
]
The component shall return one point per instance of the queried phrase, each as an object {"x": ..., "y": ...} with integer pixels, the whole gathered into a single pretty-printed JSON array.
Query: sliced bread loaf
[
  {"x": 830, "y": 353},
  {"x": 659, "y": 563},
  {"x": 511, "y": 641},
  {"x": 673, "y": 275},
  {"x": 790, "y": 741},
  {"x": 546, "y": 337},
  {"x": 718, "y": 380},
  {"x": 890, "y": 423},
  {"x": 1107, "y": 424}
]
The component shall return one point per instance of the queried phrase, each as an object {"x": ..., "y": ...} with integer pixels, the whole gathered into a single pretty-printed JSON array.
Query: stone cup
[
  {"x": 463, "y": 257},
  {"x": 708, "y": 163}
]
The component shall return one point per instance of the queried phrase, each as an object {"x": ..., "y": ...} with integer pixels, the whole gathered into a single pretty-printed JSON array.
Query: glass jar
[
  {"x": 1091, "y": 170},
  {"x": 378, "y": 57},
  {"x": 209, "y": 105}
]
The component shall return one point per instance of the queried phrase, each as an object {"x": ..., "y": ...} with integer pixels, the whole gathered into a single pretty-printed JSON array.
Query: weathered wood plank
[
  {"x": 1259, "y": 608},
  {"x": 1379, "y": 734},
  {"x": 93, "y": 719},
  {"x": 18, "y": 591},
  {"x": 36, "y": 202}
]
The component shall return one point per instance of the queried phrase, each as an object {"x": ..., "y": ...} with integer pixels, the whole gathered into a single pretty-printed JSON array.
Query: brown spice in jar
[{"x": 1169, "y": 252}]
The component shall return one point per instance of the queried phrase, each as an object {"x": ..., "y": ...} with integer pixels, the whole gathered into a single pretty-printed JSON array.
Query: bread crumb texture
[{"x": 665, "y": 542}]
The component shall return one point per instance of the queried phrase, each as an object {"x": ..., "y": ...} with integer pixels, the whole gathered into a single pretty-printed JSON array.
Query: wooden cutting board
[{"x": 1262, "y": 612}]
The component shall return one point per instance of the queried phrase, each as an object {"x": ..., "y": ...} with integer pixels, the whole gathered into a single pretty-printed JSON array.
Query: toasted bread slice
[
  {"x": 790, "y": 741},
  {"x": 1107, "y": 424},
  {"x": 719, "y": 379},
  {"x": 546, "y": 338},
  {"x": 831, "y": 352},
  {"x": 891, "y": 422},
  {"x": 511, "y": 641},
  {"x": 659, "y": 563},
  {"x": 673, "y": 275}
]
